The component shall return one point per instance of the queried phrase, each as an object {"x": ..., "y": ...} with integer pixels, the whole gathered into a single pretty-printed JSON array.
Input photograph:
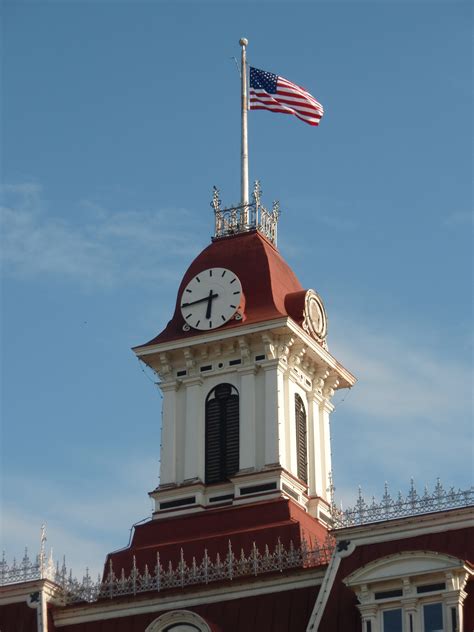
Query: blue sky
[{"x": 118, "y": 118}]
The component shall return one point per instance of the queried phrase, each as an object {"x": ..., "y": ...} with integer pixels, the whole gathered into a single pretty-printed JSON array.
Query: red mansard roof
[
  {"x": 264, "y": 523},
  {"x": 267, "y": 280}
]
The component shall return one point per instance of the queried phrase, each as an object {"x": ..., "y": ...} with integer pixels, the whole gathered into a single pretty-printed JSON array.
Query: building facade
[{"x": 245, "y": 535}]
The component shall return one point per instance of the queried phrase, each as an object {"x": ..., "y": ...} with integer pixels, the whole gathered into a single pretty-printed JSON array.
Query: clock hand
[
  {"x": 209, "y": 304},
  {"x": 201, "y": 300}
]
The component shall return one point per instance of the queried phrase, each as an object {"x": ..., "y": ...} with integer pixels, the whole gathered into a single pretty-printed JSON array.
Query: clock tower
[{"x": 246, "y": 376}]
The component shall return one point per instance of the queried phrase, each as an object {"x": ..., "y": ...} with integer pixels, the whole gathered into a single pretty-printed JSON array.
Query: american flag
[{"x": 271, "y": 92}]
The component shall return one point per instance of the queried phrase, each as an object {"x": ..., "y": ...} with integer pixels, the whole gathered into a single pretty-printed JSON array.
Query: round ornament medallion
[{"x": 315, "y": 321}]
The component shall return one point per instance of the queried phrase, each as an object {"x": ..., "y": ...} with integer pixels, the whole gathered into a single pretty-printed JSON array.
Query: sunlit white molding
[
  {"x": 213, "y": 593},
  {"x": 185, "y": 619}
]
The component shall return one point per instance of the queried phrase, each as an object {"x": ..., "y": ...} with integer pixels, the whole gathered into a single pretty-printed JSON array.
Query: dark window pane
[
  {"x": 301, "y": 447},
  {"x": 222, "y": 433},
  {"x": 386, "y": 594},
  {"x": 433, "y": 617},
  {"x": 181, "y": 627},
  {"x": 430, "y": 588},
  {"x": 392, "y": 620},
  {"x": 454, "y": 620}
]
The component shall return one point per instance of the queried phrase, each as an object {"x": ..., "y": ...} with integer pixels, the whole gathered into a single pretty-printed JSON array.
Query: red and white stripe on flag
[{"x": 274, "y": 93}]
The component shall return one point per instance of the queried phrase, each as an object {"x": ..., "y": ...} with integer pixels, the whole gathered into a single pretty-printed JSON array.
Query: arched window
[
  {"x": 301, "y": 442},
  {"x": 222, "y": 433},
  {"x": 179, "y": 621}
]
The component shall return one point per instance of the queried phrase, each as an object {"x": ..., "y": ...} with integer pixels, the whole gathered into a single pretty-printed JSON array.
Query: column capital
[
  {"x": 193, "y": 380},
  {"x": 327, "y": 405},
  {"x": 274, "y": 363},
  {"x": 248, "y": 370},
  {"x": 172, "y": 385},
  {"x": 368, "y": 611},
  {"x": 315, "y": 395}
]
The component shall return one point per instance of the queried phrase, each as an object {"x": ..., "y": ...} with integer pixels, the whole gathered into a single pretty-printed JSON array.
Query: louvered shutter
[
  {"x": 222, "y": 434},
  {"x": 213, "y": 441},
  {"x": 301, "y": 447},
  {"x": 231, "y": 436}
]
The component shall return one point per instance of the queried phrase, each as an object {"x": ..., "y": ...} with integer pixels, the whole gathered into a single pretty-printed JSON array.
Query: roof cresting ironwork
[
  {"x": 399, "y": 506},
  {"x": 243, "y": 218},
  {"x": 159, "y": 577}
]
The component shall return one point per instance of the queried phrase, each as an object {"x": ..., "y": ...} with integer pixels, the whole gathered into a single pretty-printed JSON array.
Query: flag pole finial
[{"x": 244, "y": 155}]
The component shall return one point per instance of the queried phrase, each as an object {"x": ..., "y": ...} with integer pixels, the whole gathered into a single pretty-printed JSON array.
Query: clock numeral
[
  {"x": 210, "y": 272},
  {"x": 197, "y": 324},
  {"x": 236, "y": 292},
  {"x": 233, "y": 306},
  {"x": 189, "y": 291},
  {"x": 198, "y": 279},
  {"x": 188, "y": 316},
  {"x": 223, "y": 273},
  {"x": 210, "y": 324},
  {"x": 233, "y": 280},
  {"x": 223, "y": 317}
]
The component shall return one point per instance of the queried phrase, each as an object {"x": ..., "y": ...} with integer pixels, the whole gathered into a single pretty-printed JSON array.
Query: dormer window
[
  {"x": 222, "y": 433},
  {"x": 410, "y": 592}
]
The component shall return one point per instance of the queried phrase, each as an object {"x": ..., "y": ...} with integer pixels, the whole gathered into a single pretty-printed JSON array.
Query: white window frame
[
  {"x": 178, "y": 617},
  {"x": 406, "y": 571}
]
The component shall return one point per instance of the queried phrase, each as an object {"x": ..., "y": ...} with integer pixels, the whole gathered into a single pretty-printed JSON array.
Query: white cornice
[
  {"x": 317, "y": 351},
  {"x": 322, "y": 353},
  {"x": 210, "y": 337},
  {"x": 411, "y": 527},
  {"x": 16, "y": 593}
]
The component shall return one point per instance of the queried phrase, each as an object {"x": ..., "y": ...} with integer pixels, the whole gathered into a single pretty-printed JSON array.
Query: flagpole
[{"x": 244, "y": 155}]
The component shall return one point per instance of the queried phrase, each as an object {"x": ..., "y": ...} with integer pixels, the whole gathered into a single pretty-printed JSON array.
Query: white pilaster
[
  {"x": 368, "y": 615},
  {"x": 325, "y": 409},
  {"x": 315, "y": 443},
  {"x": 194, "y": 438},
  {"x": 289, "y": 461},
  {"x": 248, "y": 429},
  {"x": 168, "y": 434},
  {"x": 410, "y": 613},
  {"x": 274, "y": 409},
  {"x": 314, "y": 461}
]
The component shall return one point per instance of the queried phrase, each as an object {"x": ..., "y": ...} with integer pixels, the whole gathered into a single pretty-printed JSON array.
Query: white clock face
[{"x": 211, "y": 298}]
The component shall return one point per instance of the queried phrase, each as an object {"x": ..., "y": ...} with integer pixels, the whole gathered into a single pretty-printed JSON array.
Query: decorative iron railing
[
  {"x": 243, "y": 218},
  {"x": 28, "y": 569},
  {"x": 231, "y": 566},
  {"x": 390, "y": 508},
  {"x": 161, "y": 577},
  {"x": 41, "y": 567}
]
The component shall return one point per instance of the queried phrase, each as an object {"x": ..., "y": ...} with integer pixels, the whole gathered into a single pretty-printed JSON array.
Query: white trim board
[{"x": 116, "y": 608}]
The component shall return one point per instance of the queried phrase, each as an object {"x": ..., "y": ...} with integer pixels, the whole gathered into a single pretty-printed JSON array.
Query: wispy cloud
[
  {"x": 459, "y": 218},
  {"x": 325, "y": 211},
  {"x": 84, "y": 525},
  {"x": 398, "y": 379},
  {"x": 105, "y": 248},
  {"x": 410, "y": 414}
]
